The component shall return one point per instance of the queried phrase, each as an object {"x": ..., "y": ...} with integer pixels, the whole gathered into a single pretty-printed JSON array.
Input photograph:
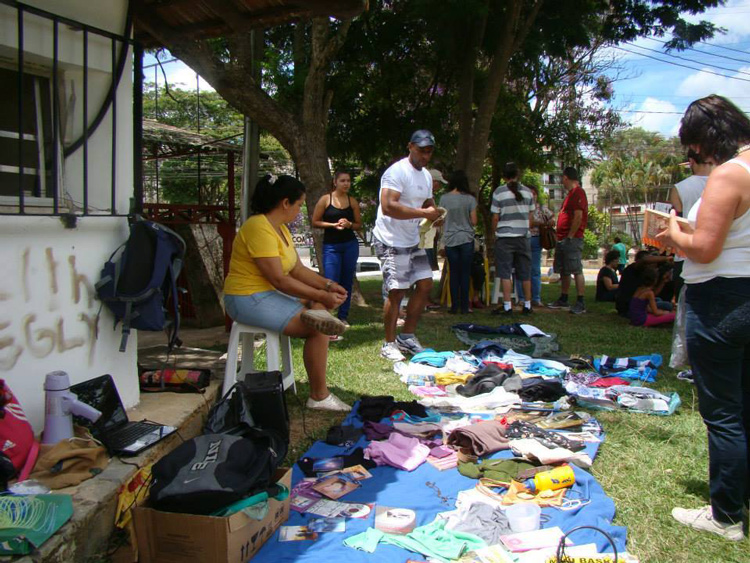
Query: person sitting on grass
[
  {"x": 622, "y": 251},
  {"x": 631, "y": 280},
  {"x": 269, "y": 287},
  {"x": 643, "y": 310},
  {"x": 606, "y": 280}
]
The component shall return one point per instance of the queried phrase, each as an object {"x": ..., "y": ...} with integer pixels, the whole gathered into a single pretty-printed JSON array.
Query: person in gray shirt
[{"x": 458, "y": 237}]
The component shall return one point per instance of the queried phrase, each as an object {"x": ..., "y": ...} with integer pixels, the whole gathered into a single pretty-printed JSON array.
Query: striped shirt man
[{"x": 513, "y": 215}]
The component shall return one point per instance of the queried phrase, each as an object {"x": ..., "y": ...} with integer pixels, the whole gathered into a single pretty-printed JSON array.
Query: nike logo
[{"x": 190, "y": 480}]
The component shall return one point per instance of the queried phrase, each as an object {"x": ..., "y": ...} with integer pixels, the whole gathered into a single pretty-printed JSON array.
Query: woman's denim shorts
[{"x": 268, "y": 309}]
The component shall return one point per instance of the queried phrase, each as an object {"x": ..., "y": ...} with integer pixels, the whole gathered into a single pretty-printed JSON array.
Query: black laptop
[{"x": 113, "y": 429}]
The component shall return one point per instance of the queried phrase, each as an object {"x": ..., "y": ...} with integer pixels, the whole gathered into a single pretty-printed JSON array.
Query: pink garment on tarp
[
  {"x": 609, "y": 382},
  {"x": 399, "y": 451}
]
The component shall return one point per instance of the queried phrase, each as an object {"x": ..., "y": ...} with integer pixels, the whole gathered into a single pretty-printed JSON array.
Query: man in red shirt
[{"x": 571, "y": 222}]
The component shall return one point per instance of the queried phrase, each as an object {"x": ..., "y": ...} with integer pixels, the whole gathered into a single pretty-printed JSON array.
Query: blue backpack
[{"x": 137, "y": 280}]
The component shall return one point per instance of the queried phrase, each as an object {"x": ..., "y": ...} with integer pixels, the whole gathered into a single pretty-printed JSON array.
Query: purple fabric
[
  {"x": 441, "y": 452},
  {"x": 378, "y": 431},
  {"x": 399, "y": 451}
]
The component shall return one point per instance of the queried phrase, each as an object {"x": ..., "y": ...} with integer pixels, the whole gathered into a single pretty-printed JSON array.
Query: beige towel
[{"x": 70, "y": 462}]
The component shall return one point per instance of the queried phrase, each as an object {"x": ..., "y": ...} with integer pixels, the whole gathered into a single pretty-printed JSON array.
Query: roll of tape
[{"x": 396, "y": 521}]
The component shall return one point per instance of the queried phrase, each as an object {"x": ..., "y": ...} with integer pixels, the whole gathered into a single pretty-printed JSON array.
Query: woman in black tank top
[{"x": 339, "y": 215}]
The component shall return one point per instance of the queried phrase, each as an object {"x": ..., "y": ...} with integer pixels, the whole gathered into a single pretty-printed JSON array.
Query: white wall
[{"x": 48, "y": 314}]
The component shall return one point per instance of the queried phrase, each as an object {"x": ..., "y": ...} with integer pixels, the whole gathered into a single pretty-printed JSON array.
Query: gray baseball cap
[
  {"x": 423, "y": 138},
  {"x": 438, "y": 176}
]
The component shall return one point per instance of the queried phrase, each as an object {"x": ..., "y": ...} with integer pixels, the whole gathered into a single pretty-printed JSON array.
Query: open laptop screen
[{"x": 101, "y": 394}]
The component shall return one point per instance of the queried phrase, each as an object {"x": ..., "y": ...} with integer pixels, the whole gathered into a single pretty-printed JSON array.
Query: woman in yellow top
[{"x": 269, "y": 287}]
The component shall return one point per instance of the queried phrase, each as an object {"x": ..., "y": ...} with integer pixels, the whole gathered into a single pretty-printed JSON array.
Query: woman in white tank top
[{"x": 717, "y": 274}]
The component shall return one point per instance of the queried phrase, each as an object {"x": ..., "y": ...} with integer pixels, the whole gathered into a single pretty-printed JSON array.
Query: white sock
[
  {"x": 507, "y": 306},
  {"x": 527, "y": 304}
]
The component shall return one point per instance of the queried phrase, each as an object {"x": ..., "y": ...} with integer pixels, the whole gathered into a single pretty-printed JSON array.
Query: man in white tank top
[{"x": 684, "y": 194}]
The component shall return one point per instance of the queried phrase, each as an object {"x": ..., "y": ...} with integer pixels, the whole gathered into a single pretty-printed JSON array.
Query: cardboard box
[{"x": 169, "y": 537}]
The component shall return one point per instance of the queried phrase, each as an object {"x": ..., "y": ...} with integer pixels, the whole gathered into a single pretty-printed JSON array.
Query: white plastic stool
[
  {"x": 497, "y": 289},
  {"x": 276, "y": 345}
]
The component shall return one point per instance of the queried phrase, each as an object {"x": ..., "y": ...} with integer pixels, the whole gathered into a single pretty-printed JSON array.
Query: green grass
[{"x": 647, "y": 465}]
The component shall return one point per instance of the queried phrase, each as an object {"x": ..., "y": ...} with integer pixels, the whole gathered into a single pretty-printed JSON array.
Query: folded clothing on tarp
[
  {"x": 380, "y": 407},
  {"x": 481, "y": 438},
  {"x": 641, "y": 368},
  {"x": 534, "y": 346},
  {"x": 402, "y": 452},
  {"x": 394, "y": 488},
  {"x": 625, "y": 397}
]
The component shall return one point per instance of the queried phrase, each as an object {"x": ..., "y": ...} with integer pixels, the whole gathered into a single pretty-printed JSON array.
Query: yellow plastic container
[{"x": 552, "y": 480}]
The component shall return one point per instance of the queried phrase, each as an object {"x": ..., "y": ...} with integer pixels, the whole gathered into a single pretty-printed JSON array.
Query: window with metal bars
[
  {"x": 33, "y": 152},
  {"x": 59, "y": 149}
]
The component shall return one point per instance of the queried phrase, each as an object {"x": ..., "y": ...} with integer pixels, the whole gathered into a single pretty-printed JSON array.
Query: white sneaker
[
  {"x": 323, "y": 321},
  {"x": 391, "y": 352},
  {"x": 410, "y": 345},
  {"x": 330, "y": 403},
  {"x": 703, "y": 519}
]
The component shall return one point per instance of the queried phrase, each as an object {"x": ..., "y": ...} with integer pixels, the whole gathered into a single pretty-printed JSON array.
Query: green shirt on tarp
[
  {"x": 503, "y": 470},
  {"x": 432, "y": 540}
]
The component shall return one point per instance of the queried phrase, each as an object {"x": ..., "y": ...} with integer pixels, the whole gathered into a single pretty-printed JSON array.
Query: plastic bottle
[{"x": 552, "y": 480}]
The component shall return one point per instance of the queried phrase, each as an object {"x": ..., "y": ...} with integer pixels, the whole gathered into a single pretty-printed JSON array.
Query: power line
[
  {"x": 682, "y": 65},
  {"x": 704, "y": 52},
  {"x": 662, "y": 96},
  {"x": 689, "y": 60},
  {"x": 722, "y": 47},
  {"x": 659, "y": 112}
]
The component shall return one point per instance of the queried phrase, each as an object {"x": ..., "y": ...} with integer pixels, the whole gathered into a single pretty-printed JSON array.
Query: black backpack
[
  {"x": 212, "y": 471},
  {"x": 138, "y": 278}
]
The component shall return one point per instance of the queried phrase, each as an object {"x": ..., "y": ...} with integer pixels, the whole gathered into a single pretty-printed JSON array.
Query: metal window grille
[{"x": 51, "y": 108}]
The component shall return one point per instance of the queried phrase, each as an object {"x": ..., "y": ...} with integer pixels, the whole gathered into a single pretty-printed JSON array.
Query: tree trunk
[
  {"x": 474, "y": 132},
  {"x": 302, "y": 129}
]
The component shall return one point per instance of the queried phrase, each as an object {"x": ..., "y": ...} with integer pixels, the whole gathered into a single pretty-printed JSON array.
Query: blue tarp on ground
[{"x": 396, "y": 488}]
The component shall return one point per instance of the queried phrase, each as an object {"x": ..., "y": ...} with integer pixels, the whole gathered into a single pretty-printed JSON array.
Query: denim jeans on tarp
[
  {"x": 536, "y": 272},
  {"x": 718, "y": 342},
  {"x": 340, "y": 263},
  {"x": 459, "y": 260}
]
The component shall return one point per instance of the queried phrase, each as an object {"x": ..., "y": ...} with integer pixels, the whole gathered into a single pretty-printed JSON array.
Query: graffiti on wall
[{"x": 67, "y": 294}]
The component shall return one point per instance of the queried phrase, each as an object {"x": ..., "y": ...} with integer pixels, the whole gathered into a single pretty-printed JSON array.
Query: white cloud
[
  {"x": 179, "y": 75},
  {"x": 701, "y": 84},
  {"x": 734, "y": 17},
  {"x": 665, "y": 123},
  {"x": 184, "y": 77}
]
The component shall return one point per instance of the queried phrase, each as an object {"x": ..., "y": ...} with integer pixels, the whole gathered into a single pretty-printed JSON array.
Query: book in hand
[{"x": 654, "y": 222}]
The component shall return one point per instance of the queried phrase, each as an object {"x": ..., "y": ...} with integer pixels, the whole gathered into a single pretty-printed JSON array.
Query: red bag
[{"x": 16, "y": 435}]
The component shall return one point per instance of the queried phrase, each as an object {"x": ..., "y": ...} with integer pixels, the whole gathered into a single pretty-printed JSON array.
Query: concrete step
[{"x": 86, "y": 534}]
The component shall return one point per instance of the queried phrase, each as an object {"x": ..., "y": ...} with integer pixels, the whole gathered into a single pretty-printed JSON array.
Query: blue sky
[
  {"x": 653, "y": 94},
  {"x": 649, "y": 93}
]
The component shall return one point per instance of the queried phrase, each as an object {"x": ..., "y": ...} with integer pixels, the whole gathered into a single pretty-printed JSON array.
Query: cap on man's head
[
  {"x": 571, "y": 173},
  {"x": 438, "y": 176},
  {"x": 423, "y": 138}
]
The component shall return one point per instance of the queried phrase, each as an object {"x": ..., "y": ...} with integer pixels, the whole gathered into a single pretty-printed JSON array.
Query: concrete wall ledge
[{"x": 86, "y": 534}]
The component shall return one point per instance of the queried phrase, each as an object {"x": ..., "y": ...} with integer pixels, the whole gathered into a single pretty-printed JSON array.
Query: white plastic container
[{"x": 523, "y": 516}]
